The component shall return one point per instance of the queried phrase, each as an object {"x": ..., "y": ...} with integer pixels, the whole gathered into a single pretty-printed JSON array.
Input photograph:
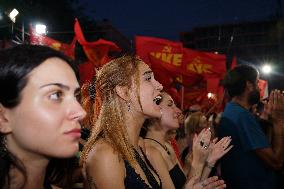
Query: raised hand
[
  {"x": 200, "y": 147},
  {"x": 266, "y": 110},
  {"x": 276, "y": 101},
  {"x": 218, "y": 150},
  {"x": 209, "y": 183}
]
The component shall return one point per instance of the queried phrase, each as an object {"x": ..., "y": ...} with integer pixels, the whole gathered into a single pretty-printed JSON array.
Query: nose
[
  {"x": 158, "y": 86},
  {"x": 77, "y": 113}
]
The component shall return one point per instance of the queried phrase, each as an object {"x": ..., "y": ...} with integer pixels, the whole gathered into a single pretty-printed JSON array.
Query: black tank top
[
  {"x": 177, "y": 177},
  {"x": 133, "y": 180}
]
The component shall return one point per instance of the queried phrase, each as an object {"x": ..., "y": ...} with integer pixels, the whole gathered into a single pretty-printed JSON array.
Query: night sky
[{"x": 167, "y": 18}]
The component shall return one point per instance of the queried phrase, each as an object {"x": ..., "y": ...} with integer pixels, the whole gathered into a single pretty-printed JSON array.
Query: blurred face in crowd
[
  {"x": 254, "y": 95},
  {"x": 170, "y": 113}
]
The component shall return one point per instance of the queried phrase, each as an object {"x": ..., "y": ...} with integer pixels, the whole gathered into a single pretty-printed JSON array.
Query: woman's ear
[
  {"x": 123, "y": 92},
  {"x": 4, "y": 121}
]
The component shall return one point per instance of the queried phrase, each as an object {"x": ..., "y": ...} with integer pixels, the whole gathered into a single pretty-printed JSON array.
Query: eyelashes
[{"x": 56, "y": 96}]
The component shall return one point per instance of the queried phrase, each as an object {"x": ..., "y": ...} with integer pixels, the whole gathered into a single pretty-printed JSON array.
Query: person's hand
[
  {"x": 209, "y": 183},
  {"x": 266, "y": 110},
  {"x": 276, "y": 104},
  {"x": 200, "y": 147},
  {"x": 218, "y": 150}
]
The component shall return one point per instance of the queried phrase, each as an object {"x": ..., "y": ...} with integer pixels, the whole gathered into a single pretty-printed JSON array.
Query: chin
[{"x": 68, "y": 152}]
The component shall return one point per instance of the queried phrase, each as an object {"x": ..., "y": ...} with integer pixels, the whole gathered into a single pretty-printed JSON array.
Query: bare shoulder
[
  {"x": 154, "y": 155},
  {"x": 101, "y": 162}
]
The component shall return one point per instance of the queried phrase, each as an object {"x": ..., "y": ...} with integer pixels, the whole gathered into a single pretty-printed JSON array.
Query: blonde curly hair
[{"x": 109, "y": 117}]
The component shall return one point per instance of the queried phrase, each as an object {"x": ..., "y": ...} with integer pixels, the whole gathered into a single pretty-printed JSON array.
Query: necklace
[{"x": 163, "y": 146}]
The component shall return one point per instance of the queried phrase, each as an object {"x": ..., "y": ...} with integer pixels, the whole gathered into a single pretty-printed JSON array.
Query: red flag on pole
[{"x": 97, "y": 51}]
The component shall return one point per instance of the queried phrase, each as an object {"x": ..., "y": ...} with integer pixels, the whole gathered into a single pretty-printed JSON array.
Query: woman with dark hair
[
  {"x": 162, "y": 155},
  {"x": 39, "y": 117}
]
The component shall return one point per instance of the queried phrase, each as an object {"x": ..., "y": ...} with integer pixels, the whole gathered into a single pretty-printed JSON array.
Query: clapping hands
[
  {"x": 218, "y": 149},
  {"x": 209, "y": 183},
  {"x": 200, "y": 147}
]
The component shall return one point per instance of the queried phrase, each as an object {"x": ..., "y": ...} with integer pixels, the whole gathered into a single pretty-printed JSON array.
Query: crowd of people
[{"x": 125, "y": 132}]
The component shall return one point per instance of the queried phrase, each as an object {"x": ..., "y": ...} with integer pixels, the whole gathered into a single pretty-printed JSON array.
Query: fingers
[
  {"x": 194, "y": 138},
  {"x": 271, "y": 97},
  {"x": 220, "y": 149},
  {"x": 213, "y": 182},
  {"x": 204, "y": 138},
  {"x": 214, "y": 140},
  {"x": 191, "y": 182},
  {"x": 228, "y": 149},
  {"x": 224, "y": 142}
]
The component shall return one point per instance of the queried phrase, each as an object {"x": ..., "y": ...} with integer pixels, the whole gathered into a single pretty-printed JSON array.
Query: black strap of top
[
  {"x": 163, "y": 146},
  {"x": 151, "y": 179}
]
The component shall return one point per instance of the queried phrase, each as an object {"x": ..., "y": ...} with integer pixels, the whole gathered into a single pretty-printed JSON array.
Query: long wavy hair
[{"x": 109, "y": 117}]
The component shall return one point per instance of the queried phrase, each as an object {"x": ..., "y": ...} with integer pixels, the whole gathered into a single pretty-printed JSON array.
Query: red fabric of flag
[
  {"x": 38, "y": 39},
  {"x": 172, "y": 63},
  {"x": 97, "y": 51}
]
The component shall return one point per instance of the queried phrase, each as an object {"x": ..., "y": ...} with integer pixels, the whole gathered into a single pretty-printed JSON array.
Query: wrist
[
  {"x": 211, "y": 162},
  {"x": 197, "y": 164},
  {"x": 209, "y": 165}
]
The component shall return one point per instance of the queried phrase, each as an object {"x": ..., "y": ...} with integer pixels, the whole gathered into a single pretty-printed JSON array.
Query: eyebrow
[
  {"x": 147, "y": 72},
  {"x": 60, "y": 85}
]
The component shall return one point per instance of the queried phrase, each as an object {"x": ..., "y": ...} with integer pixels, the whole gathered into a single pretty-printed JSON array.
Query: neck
[
  {"x": 36, "y": 173},
  {"x": 242, "y": 101},
  {"x": 35, "y": 166},
  {"x": 158, "y": 133},
  {"x": 134, "y": 124}
]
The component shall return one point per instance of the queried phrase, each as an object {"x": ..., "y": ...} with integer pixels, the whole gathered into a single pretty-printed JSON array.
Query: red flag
[
  {"x": 38, "y": 39},
  {"x": 97, "y": 52},
  {"x": 86, "y": 71},
  {"x": 263, "y": 88}
]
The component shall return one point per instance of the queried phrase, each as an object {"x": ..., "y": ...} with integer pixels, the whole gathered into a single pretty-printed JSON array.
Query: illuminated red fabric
[{"x": 199, "y": 72}]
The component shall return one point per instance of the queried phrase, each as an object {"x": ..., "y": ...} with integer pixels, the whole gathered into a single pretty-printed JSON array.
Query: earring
[{"x": 128, "y": 106}]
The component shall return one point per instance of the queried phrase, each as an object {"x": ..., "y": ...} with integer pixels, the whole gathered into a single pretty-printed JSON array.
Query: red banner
[
  {"x": 38, "y": 39},
  {"x": 97, "y": 51},
  {"x": 199, "y": 72}
]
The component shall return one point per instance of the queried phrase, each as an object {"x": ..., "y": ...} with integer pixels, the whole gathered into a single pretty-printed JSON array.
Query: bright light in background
[
  {"x": 40, "y": 29},
  {"x": 266, "y": 69},
  {"x": 210, "y": 95},
  {"x": 216, "y": 52},
  {"x": 12, "y": 15}
]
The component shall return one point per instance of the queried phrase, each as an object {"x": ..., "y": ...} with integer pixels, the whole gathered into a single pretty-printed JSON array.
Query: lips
[{"x": 76, "y": 133}]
